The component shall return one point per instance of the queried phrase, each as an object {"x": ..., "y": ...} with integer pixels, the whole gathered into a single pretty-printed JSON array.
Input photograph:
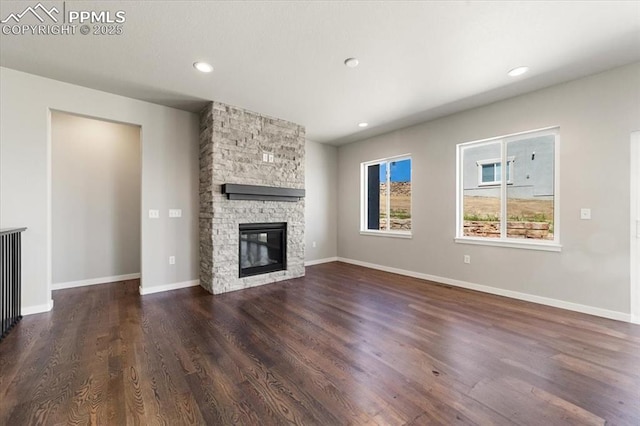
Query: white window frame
[
  {"x": 495, "y": 161},
  {"x": 504, "y": 241},
  {"x": 364, "y": 184}
]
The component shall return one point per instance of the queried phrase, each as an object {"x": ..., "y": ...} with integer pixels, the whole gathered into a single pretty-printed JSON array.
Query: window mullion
[
  {"x": 503, "y": 190},
  {"x": 364, "y": 219},
  {"x": 388, "y": 196}
]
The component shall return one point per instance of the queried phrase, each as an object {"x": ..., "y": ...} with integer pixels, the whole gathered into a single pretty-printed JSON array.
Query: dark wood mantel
[{"x": 261, "y": 193}]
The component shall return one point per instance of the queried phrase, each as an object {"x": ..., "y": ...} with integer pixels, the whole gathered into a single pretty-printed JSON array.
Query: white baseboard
[
  {"x": 94, "y": 281},
  {"x": 585, "y": 309},
  {"x": 37, "y": 309},
  {"x": 319, "y": 261},
  {"x": 168, "y": 287}
]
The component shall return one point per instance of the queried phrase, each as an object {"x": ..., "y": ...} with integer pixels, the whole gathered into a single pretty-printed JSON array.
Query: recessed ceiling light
[
  {"x": 203, "y": 66},
  {"x": 363, "y": 124},
  {"x": 351, "y": 62},
  {"x": 517, "y": 71}
]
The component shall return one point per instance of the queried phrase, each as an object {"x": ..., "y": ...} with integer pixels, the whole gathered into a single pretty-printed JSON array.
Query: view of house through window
[
  {"x": 516, "y": 204},
  {"x": 490, "y": 171},
  {"x": 387, "y": 195}
]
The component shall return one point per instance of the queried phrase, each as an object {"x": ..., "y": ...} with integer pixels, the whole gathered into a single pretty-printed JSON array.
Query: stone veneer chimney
[{"x": 232, "y": 143}]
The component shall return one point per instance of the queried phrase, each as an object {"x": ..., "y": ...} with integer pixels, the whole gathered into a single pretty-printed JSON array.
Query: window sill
[
  {"x": 509, "y": 182},
  {"x": 527, "y": 245},
  {"x": 392, "y": 234}
]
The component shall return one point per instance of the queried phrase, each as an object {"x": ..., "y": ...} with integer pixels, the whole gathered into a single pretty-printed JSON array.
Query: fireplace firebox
[{"x": 262, "y": 248}]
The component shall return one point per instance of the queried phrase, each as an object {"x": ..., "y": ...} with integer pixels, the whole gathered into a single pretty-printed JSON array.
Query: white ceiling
[{"x": 418, "y": 60}]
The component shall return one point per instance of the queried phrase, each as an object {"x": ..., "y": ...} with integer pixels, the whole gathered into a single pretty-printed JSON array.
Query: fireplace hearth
[{"x": 262, "y": 248}]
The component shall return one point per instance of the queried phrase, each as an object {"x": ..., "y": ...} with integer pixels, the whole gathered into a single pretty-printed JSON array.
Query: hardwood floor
[{"x": 344, "y": 345}]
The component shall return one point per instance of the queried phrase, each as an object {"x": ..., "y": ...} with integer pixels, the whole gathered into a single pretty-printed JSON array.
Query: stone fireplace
[{"x": 242, "y": 152}]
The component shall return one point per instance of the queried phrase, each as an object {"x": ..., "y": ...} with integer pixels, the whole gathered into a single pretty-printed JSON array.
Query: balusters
[{"x": 10, "y": 279}]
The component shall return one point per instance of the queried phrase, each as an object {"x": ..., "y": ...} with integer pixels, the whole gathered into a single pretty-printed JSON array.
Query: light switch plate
[
  {"x": 585, "y": 214},
  {"x": 154, "y": 214},
  {"x": 271, "y": 158},
  {"x": 265, "y": 157}
]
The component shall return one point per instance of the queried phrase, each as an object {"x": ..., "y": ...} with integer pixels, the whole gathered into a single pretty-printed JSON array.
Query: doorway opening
[{"x": 95, "y": 201}]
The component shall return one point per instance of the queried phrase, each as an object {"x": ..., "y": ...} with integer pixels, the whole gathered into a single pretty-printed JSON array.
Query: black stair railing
[{"x": 10, "y": 278}]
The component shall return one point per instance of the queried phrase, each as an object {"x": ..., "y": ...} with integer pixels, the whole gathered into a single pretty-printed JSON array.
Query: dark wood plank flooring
[{"x": 344, "y": 345}]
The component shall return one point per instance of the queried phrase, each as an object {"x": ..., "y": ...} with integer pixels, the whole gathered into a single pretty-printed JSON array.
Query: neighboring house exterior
[{"x": 530, "y": 166}]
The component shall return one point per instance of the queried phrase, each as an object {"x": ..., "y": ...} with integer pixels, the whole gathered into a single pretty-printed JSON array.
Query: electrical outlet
[
  {"x": 467, "y": 258},
  {"x": 313, "y": 244},
  {"x": 154, "y": 214},
  {"x": 175, "y": 213},
  {"x": 265, "y": 156},
  {"x": 172, "y": 260},
  {"x": 271, "y": 158},
  {"x": 585, "y": 214}
]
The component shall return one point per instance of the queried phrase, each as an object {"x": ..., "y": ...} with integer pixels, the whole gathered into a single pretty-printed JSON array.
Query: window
[
  {"x": 490, "y": 171},
  {"x": 516, "y": 207},
  {"x": 386, "y": 196}
]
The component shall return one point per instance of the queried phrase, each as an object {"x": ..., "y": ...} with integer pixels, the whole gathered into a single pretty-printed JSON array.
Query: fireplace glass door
[{"x": 262, "y": 248}]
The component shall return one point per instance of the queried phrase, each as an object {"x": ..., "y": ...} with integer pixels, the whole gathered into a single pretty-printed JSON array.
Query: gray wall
[
  {"x": 95, "y": 198},
  {"x": 596, "y": 116},
  {"x": 321, "y": 202},
  {"x": 169, "y": 176}
]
